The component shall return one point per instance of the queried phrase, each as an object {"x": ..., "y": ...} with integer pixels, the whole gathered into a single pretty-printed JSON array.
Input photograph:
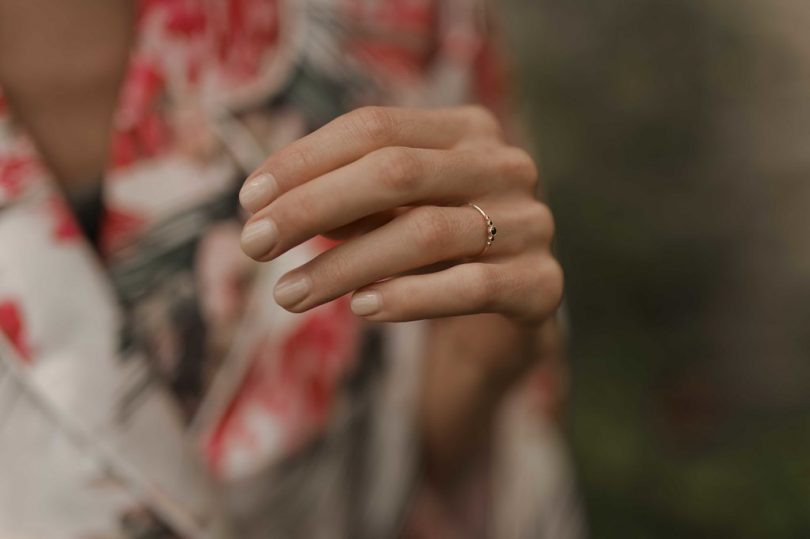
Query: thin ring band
[{"x": 491, "y": 228}]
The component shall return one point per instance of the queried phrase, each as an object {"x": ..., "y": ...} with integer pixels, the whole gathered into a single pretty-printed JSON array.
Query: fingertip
[
  {"x": 366, "y": 303},
  {"x": 258, "y": 191},
  {"x": 291, "y": 291},
  {"x": 259, "y": 237}
]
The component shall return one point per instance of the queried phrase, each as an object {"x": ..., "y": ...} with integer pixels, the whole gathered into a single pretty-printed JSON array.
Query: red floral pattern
[
  {"x": 13, "y": 325},
  {"x": 141, "y": 129},
  {"x": 65, "y": 228},
  {"x": 245, "y": 35},
  {"x": 187, "y": 48},
  {"x": 119, "y": 228},
  {"x": 292, "y": 381},
  {"x": 405, "y": 20},
  {"x": 15, "y": 171},
  {"x": 187, "y": 51}
]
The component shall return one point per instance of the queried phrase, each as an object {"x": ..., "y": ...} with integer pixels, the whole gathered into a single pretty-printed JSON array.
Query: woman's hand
[{"x": 395, "y": 184}]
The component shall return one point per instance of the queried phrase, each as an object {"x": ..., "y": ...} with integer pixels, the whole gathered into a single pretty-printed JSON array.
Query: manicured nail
[
  {"x": 258, "y": 192},
  {"x": 366, "y": 303},
  {"x": 292, "y": 290},
  {"x": 259, "y": 237}
]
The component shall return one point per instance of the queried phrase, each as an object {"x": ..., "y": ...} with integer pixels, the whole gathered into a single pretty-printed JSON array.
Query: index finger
[{"x": 353, "y": 135}]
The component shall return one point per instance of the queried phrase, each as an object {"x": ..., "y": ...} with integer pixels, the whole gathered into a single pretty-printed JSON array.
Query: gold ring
[{"x": 491, "y": 229}]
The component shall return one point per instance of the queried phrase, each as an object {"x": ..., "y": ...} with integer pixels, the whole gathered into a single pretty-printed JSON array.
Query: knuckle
[
  {"x": 540, "y": 289},
  {"x": 543, "y": 221},
  {"x": 298, "y": 159},
  {"x": 551, "y": 285},
  {"x": 400, "y": 168},
  {"x": 484, "y": 288},
  {"x": 431, "y": 227},
  {"x": 518, "y": 165},
  {"x": 331, "y": 272},
  {"x": 375, "y": 123}
]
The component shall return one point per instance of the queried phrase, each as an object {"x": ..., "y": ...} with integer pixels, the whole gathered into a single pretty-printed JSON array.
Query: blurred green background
[{"x": 674, "y": 138}]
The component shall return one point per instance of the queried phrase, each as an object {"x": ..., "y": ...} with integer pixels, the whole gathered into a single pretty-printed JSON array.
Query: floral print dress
[{"x": 149, "y": 385}]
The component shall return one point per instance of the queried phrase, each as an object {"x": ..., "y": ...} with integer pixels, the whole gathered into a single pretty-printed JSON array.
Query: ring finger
[{"x": 423, "y": 236}]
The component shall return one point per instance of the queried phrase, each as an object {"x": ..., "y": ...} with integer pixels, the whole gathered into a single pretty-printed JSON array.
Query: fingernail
[
  {"x": 366, "y": 303},
  {"x": 292, "y": 290},
  {"x": 259, "y": 237},
  {"x": 258, "y": 191}
]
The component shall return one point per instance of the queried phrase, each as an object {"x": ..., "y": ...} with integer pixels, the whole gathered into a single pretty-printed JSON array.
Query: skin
[
  {"x": 392, "y": 183},
  {"x": 61, "y": 66}
]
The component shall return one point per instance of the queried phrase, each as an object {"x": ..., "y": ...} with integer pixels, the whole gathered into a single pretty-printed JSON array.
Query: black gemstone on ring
[{"x": 493, "y": 230}]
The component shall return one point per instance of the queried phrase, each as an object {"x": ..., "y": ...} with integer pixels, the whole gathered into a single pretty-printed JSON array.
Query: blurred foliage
[{"x": 663, "y": 131}]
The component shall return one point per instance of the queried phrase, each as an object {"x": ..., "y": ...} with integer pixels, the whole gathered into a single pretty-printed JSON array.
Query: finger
[
  {"x": 364, "y": 225},
  {"x": 385, "y": 179},
  {"x": 421, "y": 237},
  {"x": 356, "y": 134},
  {"x": 528, "y": 291}
]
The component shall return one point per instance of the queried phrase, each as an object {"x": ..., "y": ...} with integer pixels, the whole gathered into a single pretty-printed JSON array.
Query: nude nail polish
[
  {"x": 292, "y": 290},
  {"x": 258, "y": 192},
  {"x": 259, "y": 237},
  {"x": 366, "y": 303}
]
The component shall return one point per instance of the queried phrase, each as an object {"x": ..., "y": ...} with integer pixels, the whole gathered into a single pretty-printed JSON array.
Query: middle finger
[{"x": 382, "y": 180}]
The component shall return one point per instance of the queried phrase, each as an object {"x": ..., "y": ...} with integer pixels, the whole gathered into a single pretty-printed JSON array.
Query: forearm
[{"x": 473, "y": 364}]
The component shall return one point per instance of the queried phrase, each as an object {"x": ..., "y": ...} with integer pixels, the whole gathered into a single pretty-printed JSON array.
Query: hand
[{"x": 395, "y": 184}]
